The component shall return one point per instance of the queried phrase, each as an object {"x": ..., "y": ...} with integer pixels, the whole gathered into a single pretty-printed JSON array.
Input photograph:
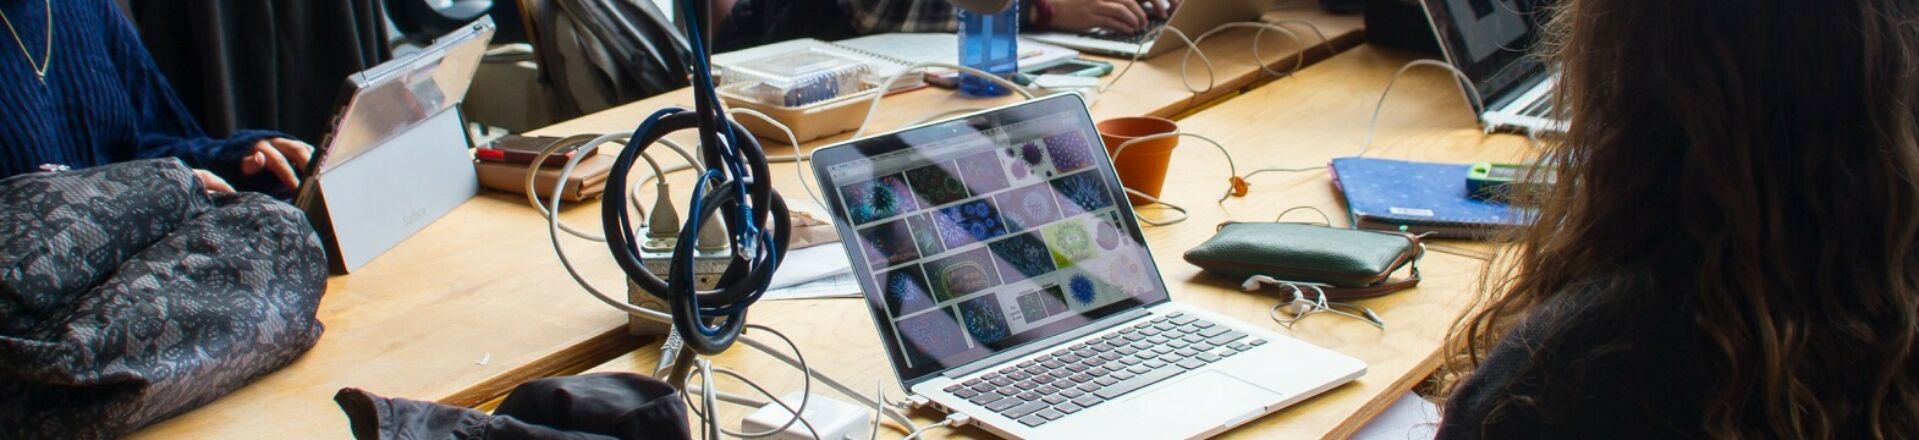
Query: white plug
[{"x": 833, "y": 419}]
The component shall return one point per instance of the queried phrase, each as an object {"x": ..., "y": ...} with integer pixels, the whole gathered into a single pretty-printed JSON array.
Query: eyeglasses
[{"x": 1290, "y": 312}]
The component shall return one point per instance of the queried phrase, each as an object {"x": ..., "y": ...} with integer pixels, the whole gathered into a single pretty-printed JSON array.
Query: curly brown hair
[{"x": 1759, "y": 155}]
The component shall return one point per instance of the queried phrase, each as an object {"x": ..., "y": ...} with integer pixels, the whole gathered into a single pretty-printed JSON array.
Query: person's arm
[{"x": 166, "y": 129}]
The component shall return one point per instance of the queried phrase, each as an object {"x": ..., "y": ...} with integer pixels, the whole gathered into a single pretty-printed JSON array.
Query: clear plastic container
[{"x": 797, "y": 79}]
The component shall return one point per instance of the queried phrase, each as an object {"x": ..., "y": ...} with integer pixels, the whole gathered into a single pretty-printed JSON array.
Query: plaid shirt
[{"x": 884, "y": 16}]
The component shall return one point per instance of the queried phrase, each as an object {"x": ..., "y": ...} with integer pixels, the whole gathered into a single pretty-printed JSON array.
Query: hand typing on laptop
[{"x": 1123, "y": 16}]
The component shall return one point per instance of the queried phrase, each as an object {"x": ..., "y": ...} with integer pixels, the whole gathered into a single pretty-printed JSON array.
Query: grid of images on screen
[{"x": 975, "y": 248}]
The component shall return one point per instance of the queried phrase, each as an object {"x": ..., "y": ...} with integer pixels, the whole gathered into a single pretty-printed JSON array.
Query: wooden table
[
  {"x": 477, "y": 302},
  {"x": 1303, "y": 121}
]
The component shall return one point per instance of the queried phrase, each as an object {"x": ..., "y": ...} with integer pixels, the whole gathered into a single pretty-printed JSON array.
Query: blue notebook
[{"x": 1385, "y": 194}]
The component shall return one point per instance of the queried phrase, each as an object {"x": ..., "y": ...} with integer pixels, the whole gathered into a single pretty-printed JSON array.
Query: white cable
[
  {"x": 892, "y": 413},
  {"x": 1282, "y": 170},
  {"x": 1183, "y": 215},
  {"x": 806, "y": 393},
  {"x": 1231, "y": 166},
  {"x": 532, "y": 174},
  {"x": 553, "y": 233},
  {"x": 1372, "y": 128},
  {"x": 1192, "y": 47},
  {"x": 922, "y": 431},
  {"x": 1139, "y": 50},
  {"x": 532, "y": 196},
  {"x": 713, "y": 430},
  {"x": 1299, "y": 59},
  {"x": 886, "y": 85},
  {"x": 1322, "y": 214},
  {"x": 1323, "y": 42},
  {"x": 799, "y": 169},
  {"x": 953, "y": 420},
  {"x": 692, "y": 162},
  {"x": 879, "y": 390},
  {"x": 735, "y": 399}
]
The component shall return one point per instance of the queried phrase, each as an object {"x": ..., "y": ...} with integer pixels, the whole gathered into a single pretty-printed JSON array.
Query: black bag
[
  {"x": 128, "y": 295},
  {"x": 596, "y": 54},
  {"x": 600, "y": 406}
]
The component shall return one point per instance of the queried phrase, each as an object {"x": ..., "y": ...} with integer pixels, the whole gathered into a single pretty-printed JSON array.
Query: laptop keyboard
[
  {"x": 1152, "y": 24},
  {"x": 1086, "y": 374},
  {"x": 1542, "y": 108}
]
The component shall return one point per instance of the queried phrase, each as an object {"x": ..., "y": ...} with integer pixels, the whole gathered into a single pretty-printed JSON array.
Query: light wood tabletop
[
  {"x": 1302, "y": 121},
  {"x": 477, "y": 302}
]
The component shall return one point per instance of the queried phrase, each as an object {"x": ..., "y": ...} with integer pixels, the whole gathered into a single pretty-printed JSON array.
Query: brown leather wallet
[{"x": 588, "y": 180}]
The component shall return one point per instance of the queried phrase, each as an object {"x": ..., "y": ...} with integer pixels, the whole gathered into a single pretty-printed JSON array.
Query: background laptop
[
  {"x": 1008, "y": 284},
  {"x": 1493, "y": 42},
  {"x": 1193, "y": 17}
]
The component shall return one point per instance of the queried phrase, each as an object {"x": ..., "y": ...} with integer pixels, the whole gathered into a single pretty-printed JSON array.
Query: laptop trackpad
[{"x": 1199, "y": 403}]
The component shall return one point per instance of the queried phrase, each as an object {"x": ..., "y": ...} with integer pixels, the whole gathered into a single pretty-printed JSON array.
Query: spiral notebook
[{"x": 1384, "y": 194}]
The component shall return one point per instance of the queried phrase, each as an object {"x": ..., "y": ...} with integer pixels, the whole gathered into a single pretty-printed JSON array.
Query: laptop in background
[
  {"x": 1009, "y": 281},
  {"x": 1492, "y": 42},
  {"x": 1194, "y": 17}
]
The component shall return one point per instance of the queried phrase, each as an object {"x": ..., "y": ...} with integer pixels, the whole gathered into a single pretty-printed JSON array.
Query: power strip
[
  {"x": 832, "y": 419},
  {"x": 657, "y": 254}
]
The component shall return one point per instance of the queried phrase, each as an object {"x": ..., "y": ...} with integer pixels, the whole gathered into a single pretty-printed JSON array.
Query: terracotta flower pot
[{"x": 1142, "y": 166}]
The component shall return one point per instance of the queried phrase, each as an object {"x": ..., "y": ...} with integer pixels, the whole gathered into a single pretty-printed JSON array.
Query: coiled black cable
[{"x": 741, "y": 193}]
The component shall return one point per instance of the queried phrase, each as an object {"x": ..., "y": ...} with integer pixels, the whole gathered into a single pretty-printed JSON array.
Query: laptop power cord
[{"x": 953, "y": 420}]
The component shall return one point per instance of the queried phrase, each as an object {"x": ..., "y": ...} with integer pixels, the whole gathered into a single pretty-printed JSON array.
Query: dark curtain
[{"x": 262, "y": 64}]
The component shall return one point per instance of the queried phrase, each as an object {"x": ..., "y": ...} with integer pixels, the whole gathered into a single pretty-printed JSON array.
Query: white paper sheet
[
  {"x": 803, "y": 265},
  {"x": 837, "y": 286},
  {"x": 1410, "y": 418}
]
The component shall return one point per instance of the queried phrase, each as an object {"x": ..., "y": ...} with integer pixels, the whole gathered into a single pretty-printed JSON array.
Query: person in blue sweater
[{"x": 79, "y": 90}]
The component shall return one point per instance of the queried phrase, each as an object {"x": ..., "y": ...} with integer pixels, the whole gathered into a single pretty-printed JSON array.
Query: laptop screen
[
  {"x": 1492, "y": 41},
  {"x": 981, "y": 234}
]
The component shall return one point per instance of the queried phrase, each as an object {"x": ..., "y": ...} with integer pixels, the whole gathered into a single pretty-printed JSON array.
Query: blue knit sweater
[{"x": 103, "y": 100}]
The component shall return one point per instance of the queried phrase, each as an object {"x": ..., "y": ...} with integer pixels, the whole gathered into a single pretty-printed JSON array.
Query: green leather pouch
[{"x": 1350, "y": 263}]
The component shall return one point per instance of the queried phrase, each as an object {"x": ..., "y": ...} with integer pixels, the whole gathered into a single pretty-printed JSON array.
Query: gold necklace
[{"x": 46, "y": 59}]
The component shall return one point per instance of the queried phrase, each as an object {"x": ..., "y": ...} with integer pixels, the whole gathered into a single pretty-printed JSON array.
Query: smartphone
[
  {"x": 1075, "y": 67},
  {"x": 947, "y": 79}
]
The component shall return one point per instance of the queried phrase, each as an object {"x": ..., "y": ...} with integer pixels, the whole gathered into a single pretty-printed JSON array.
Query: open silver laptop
[
  {"x": 1010, "y": 282},
  {"x": 1492, "y": 42},
  {"x": 1194, "y": 17}
]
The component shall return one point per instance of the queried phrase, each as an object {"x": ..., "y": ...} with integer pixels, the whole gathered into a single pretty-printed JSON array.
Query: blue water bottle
[{"x": 988, "y": 42}]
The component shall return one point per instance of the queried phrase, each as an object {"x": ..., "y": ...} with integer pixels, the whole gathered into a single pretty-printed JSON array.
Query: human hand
[
  {"x": 1084, "y": 15},
  {"x": 280, "y": 157},
  {"x": 1161, "y": 9},
  {"x": 1166, "y": 8},
  {"x": 213, "y": 183}
]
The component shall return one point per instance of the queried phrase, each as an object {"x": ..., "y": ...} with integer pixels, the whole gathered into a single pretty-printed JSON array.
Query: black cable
[{"x": 736, "y": 186}]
